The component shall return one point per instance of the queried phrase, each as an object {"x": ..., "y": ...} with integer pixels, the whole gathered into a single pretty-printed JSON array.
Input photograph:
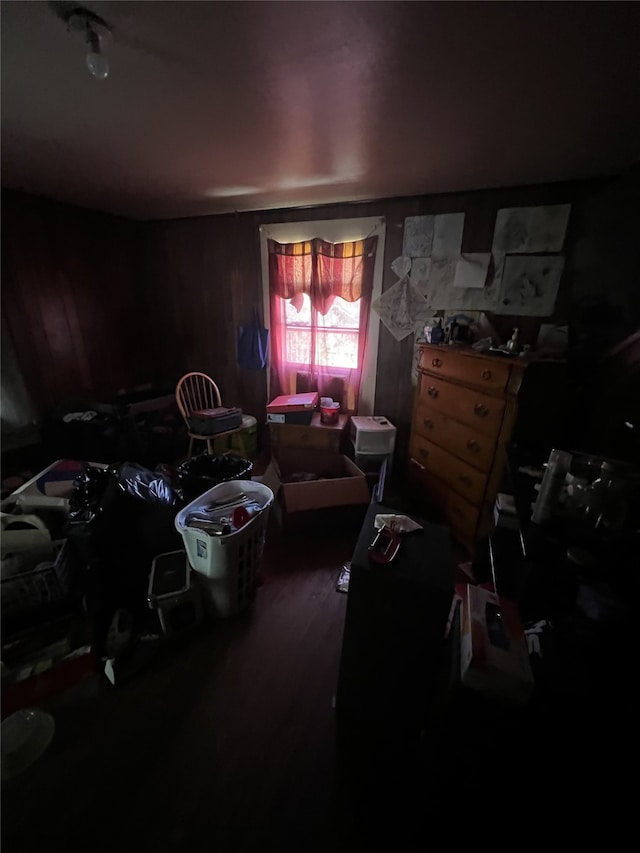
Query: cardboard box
[
  {"x": 315, "y": 436},
  {"x": 293, "y": 408},
  {"x": 342, "y": 483},
  {"x": 494, "y": 657}
]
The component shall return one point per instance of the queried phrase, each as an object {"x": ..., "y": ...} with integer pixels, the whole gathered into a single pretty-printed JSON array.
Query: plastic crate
[
  {"x": 227, "y": 564},
  {"x": 47, "y": 584},
  {"x": 374, "y": 435}
]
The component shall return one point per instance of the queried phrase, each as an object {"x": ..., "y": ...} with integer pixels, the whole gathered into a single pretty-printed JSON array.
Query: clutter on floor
[{"x": 103, "y": 563}]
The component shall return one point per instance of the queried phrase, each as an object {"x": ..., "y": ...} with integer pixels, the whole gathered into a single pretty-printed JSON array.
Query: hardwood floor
[{"x": 227, "y": 741}]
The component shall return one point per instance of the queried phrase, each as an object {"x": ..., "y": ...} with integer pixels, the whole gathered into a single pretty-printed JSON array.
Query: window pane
[
  {"x": 298, "y": 346},
  {"x": 337, "y": 349},
  {"x": 298, "y": 318},
  {"x": 341, "y": 315}
]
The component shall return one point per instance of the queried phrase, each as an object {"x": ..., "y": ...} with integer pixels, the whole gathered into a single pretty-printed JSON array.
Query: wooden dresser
[{"x": 466, "y": 410}]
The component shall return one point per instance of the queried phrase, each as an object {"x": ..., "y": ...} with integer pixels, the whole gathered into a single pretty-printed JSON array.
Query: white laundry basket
[{"x": 227, "y": 565}]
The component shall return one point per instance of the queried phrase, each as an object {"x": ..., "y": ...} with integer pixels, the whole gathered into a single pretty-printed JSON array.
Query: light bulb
[{"x": 97, "y": 65}]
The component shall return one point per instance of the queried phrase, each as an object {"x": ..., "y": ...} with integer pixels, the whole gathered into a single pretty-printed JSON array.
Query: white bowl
[{"x": 25, "y": 736}]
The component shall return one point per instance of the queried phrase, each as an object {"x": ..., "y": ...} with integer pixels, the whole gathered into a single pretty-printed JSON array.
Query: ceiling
[{"x": 212, "y": 106}]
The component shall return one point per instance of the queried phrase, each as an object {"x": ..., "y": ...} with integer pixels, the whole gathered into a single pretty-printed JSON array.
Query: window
[
  {"x": 334, "y": 336},
  {"x": 307, "y": 346}
]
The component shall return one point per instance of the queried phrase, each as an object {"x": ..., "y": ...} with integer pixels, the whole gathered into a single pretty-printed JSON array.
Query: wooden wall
[
  {"x": 71, "y": 299},
  {"x": 95, "y": 303},
  {"x": 203, "y": 276}
]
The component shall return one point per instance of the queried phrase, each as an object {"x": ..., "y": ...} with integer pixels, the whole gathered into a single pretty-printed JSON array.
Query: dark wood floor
[{"x": 226, "y": 742}]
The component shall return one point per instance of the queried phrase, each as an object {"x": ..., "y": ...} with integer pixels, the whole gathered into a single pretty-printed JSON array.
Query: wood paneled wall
[
  {"x": 95, "y": 303},
  {"x": 203, "y": 277},
  {"x": 71, "y": 300}
]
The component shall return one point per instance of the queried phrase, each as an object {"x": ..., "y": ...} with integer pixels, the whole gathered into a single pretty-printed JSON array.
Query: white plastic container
[
  {"x": 373, "y": 435},
  {"x": 227, "y": 564}
]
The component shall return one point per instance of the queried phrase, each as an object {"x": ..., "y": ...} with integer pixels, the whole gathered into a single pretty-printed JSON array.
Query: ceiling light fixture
[{"x": 93, "y": 30}]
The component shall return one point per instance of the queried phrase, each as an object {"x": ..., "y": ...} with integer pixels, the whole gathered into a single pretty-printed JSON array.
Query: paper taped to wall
[
  {"x": 530, "y": 285},
  {"x": 530, "y": 229},
  {"x": 418, "y": 236},
  {"x": 471, "y": 270},
  {"x": 420, "y": 271},
  {"x": 400, "y": 308},
  {"x": 401, "y": 266},
  {"x": 447, "y": 236}
]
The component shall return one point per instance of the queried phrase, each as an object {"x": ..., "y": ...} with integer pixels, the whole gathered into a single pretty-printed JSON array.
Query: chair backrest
[{"x": 196, "y": 391}]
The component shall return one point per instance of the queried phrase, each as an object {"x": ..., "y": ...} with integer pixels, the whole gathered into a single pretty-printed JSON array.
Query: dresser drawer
[
  {"x": 462, "y": 515},
  {"x": 467, "y": 481},
  {"x": 484, "y": 373},
  {"x": 478, "y": 410},
  {"x": 474, "y": 447},
  {"x": 432, "y": 490}
]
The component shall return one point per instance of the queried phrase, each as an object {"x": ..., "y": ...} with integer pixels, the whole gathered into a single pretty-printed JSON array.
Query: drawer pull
[
  {"x": 480, "y": 410},
  {"x": 465, "y": 480},
  {"x": 436, "y": 362},
  {"x": 432, "y": 392},
  {"x": 472, "y": 444},
  {"x": 415, "y": 462},
  {"x": 428, "y": 423},
  {"x": 486, "y": 374}
]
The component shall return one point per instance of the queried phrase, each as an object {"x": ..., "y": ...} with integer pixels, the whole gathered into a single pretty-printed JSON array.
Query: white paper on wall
[
  {"x": 401, "y": 266},
  {"x": 420, "y": 271},
  {"x": 530, "y": 229},
  {"x": 440, "y": 283},
  {"x": 547, "y": 228},
  {"x": 447, "y": 236},
  {"x": 530, "y": 285},
  {"x": 400, "y": 308},
  {"x": 471, "y": 270},
  {"x": 418, "y": 236}
]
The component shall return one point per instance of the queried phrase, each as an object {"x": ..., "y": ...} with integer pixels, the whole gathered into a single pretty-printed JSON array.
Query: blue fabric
[{"x": 253, "y": 344}]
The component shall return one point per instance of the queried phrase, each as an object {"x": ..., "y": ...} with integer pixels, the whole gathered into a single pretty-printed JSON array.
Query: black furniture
[{"x": 393, "y": 649}]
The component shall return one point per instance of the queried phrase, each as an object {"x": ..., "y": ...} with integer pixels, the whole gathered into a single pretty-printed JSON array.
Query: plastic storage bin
[
  {"x": 170, "y": 593},
  {"x": 227, "y": 563},
  {"x": 249, "y": 439},
  {"x": 375, "y": 435}
]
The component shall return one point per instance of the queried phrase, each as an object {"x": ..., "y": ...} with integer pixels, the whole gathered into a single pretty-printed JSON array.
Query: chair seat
[{"x": 214, "y": 435}]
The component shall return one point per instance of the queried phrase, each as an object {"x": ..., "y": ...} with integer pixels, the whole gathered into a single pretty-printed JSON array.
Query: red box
[
  {"x": 293, "y": 408},
  {"x": 294, "y": 402}
]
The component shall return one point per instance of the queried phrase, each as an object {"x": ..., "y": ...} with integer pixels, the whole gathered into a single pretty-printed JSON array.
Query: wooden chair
[{"x": 197, "y": 391}]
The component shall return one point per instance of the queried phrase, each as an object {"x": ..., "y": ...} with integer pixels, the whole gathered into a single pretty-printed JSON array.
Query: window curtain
[{"x": 323, "y": 271}]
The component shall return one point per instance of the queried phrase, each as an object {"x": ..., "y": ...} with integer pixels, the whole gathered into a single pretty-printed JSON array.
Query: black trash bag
[
  {"x": 201, "y": 473},
  {"x": 120, "y": 519},
  {"x": 93, "y": 491}
]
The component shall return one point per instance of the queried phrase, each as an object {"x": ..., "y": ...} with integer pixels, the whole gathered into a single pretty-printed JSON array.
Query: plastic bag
[
  {"x": 151, "y": 486},
  {"x": 201, "y": 473},
  {"x": 253, "y": 344}
]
